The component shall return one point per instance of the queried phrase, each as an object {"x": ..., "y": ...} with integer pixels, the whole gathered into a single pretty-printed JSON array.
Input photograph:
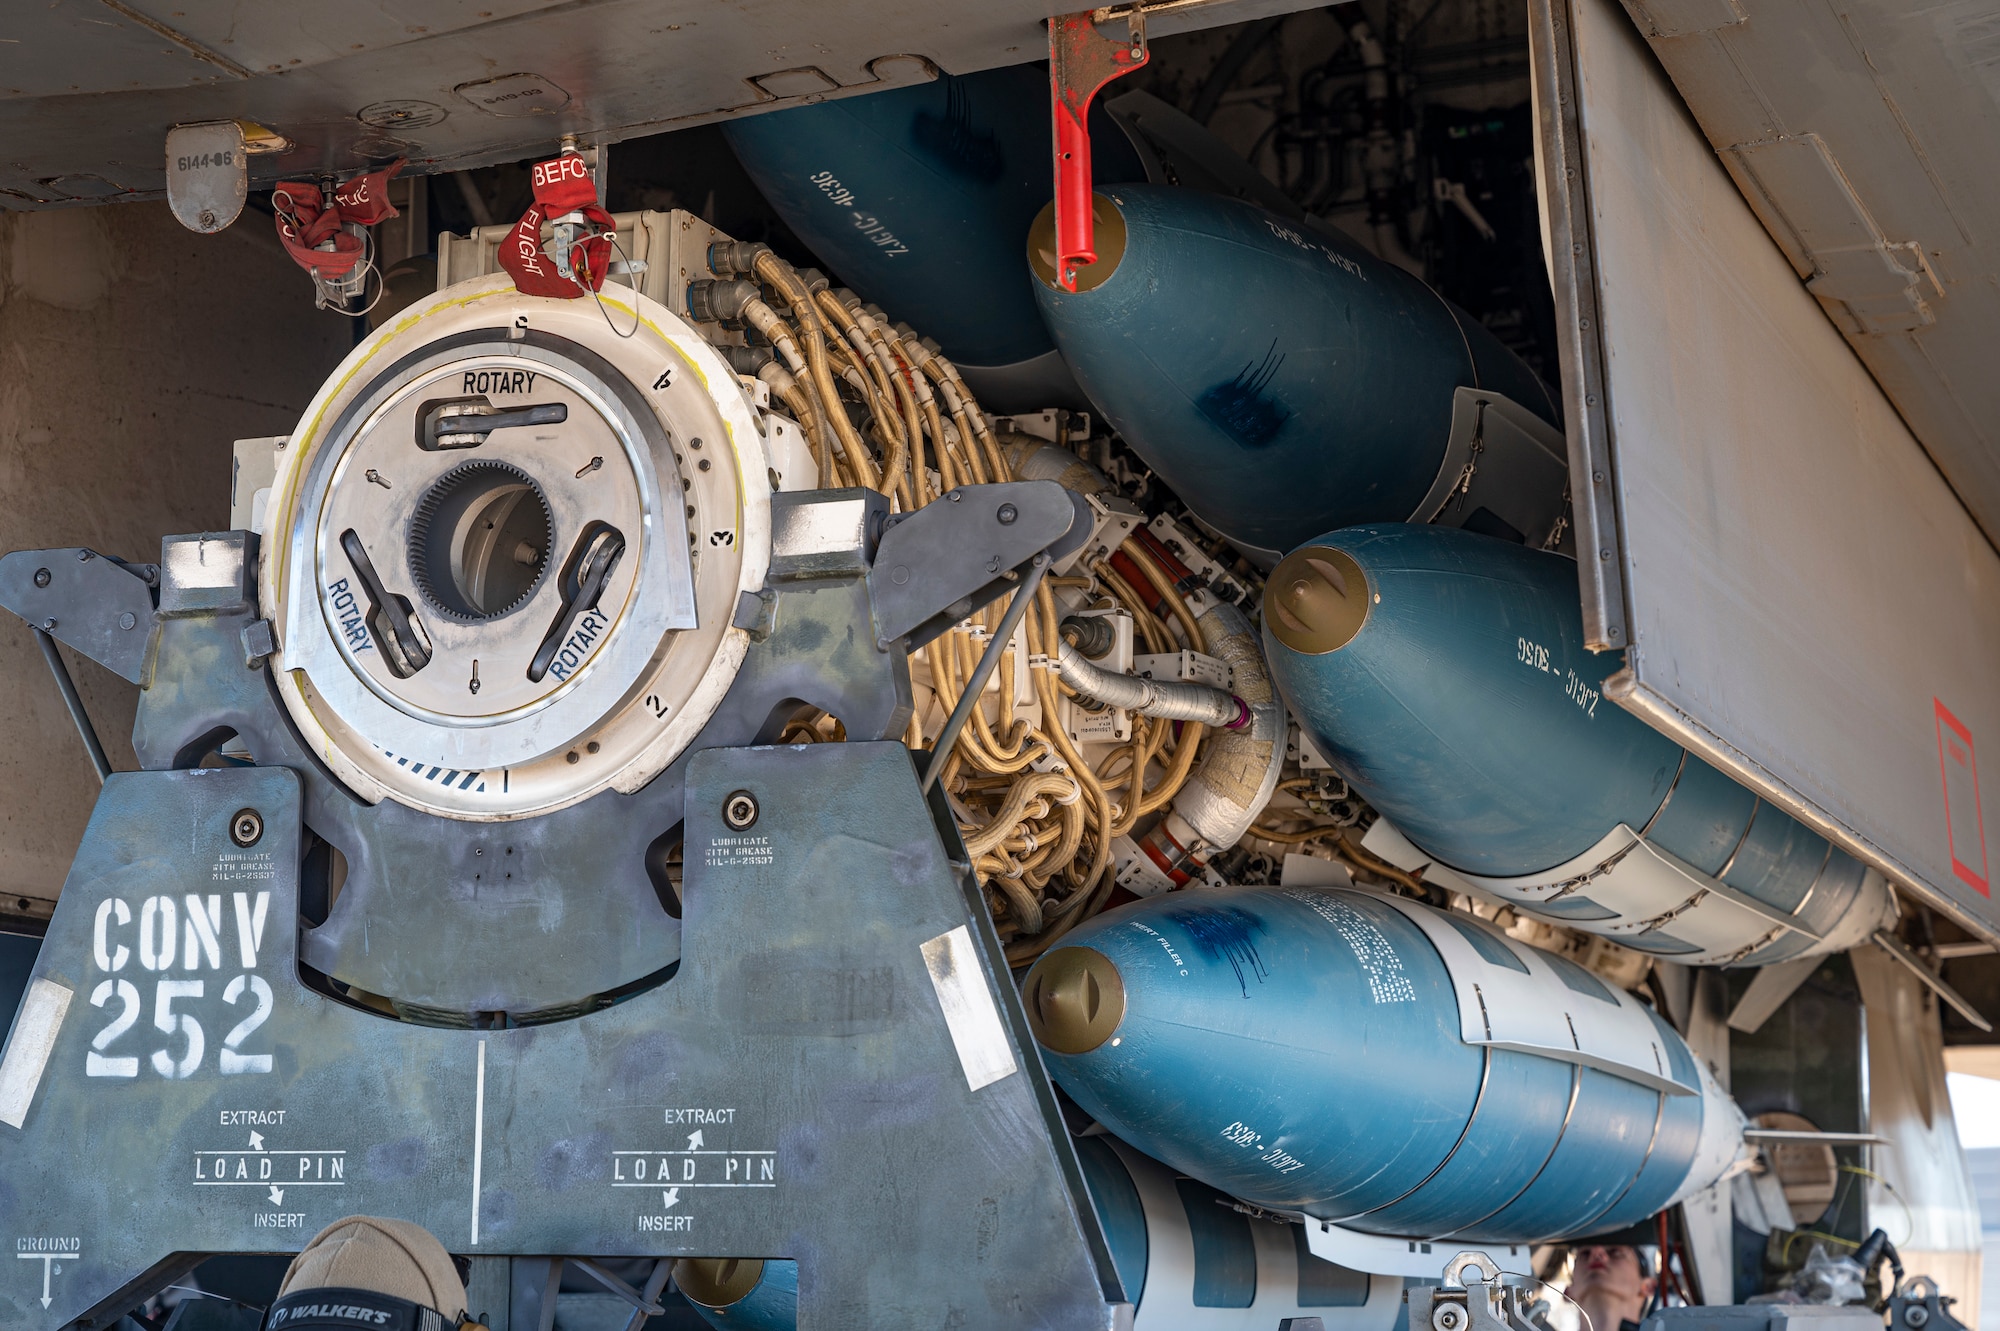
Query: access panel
[{"x": 1800, "y": 596}]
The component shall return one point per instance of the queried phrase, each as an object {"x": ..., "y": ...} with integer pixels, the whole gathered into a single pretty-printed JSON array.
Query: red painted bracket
[{"x": 1081, "y": 61}]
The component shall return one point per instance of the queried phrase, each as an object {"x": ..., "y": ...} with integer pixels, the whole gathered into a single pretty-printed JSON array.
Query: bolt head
[
  {"x": 739, "y": 810},
  {"x": 1007, "y": 515},
  {"x": 41, "y": 577},
  {"x": 246, "y": 827},
  {"x": 128, "y": 621}
]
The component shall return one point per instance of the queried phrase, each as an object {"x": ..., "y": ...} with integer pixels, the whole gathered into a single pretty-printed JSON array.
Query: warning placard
[{"x": 1963, "y": 818}]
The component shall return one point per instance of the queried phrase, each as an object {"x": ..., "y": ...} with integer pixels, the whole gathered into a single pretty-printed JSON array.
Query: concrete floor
[{"x": 132, "y": 352}]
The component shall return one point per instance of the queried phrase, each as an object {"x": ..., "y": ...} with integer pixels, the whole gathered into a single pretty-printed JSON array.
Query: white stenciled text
[{"x": 168, "y": 942}]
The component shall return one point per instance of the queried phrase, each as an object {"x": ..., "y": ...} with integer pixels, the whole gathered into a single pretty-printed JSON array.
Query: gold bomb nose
[
  {"x": 717, "y": 1281},
  {"x": 1075, "y": 999},
  {"x": 1108, "y": 227},
  {"x": 1316, "y": 600}
]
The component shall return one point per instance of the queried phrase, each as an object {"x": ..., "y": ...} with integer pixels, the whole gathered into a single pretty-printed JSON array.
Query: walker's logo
[{"x": 322, "y": 1312}]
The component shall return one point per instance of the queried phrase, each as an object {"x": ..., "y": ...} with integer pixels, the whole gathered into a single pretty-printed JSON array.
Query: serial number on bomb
[{"x": 1241, "y": 1134}]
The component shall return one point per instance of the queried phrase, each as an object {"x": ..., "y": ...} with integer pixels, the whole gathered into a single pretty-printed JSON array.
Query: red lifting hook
[{"x": 1081, "y": 61}]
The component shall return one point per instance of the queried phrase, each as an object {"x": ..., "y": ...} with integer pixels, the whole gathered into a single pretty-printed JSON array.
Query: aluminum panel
[
  {"x": 125, "y": 52},
  {"x": 452, "y": 84},
  {"x": 1862, "y": 134},
  {"x": 1810, "y": 605}
]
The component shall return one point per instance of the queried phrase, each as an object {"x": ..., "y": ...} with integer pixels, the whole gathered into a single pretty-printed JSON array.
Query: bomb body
[
  {"x": 741, "y": 1294},
  {"x": 1373, "y": 1061},
  {"x": 1284, "y": 381},
  {"x": 920, "y": 199},
  {"x": 1187, "y": 1259},
  {"x": 1445, "y": 676}
]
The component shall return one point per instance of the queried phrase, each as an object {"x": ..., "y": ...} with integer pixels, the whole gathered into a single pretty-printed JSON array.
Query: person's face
[{"x": 1609, "y": 1270}]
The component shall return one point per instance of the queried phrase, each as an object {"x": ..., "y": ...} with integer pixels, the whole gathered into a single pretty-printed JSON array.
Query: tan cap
[
  {"x": 386, "y": 1256},
  {"x": 1108, "y": 225},
  {"x": 1316, "y": 600},
  {"x": 1075, "y": 998},
  {"x": 717, "y": 1282}
]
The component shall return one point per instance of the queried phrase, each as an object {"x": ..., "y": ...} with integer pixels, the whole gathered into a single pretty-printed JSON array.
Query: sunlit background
[{"x": 1975, "y": 1105}]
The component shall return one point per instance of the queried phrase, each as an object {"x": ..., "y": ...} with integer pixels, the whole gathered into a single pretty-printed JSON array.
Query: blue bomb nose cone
[
  {"x": 1444, "y": 675},
  {"x": 1326, "y": 1052},
  {"x": 1282, "y": 381}
]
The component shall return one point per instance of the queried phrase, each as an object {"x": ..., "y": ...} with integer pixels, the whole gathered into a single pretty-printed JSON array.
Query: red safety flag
[
  {"x": 365, "y": 199},
  {"x": 562, "y": 185},
  {"x": 307, "y": 220}
]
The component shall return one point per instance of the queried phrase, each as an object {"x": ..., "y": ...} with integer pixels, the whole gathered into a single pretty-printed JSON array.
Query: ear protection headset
[{"x": 359, "y": 1310}]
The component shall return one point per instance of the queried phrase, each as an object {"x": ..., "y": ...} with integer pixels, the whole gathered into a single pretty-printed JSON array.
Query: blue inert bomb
[
  {"x": 1445, "y": 676},
  {"x": 1283, "y": 380},
  {"x": 920, "y": 199},
  {"x": 1372, "y": 1061},
  {"x": 1188, "y": 1258}
]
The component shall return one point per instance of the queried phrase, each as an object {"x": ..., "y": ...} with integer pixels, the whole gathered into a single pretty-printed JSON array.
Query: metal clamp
[
  {"x": 955, "y": 554},
  {"x": 1489, "y": 1301}
]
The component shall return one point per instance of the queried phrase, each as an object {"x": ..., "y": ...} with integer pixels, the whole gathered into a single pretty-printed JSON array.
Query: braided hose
[{"x": 1168, "y": 699}]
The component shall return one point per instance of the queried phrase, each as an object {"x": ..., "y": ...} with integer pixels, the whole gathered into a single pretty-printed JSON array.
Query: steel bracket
[
  {"x": 100, "y": 607},
  {"x": 955, "y": 554}
]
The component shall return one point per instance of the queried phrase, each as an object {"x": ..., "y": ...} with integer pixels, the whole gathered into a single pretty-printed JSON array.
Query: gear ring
[{"x": 435, "y": 546}]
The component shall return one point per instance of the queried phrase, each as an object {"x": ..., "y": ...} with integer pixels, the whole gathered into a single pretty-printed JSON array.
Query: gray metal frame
[
  {"x": 93, "y": 92},
  {"x": 574, "y": 912},
  {"x": 1803, "y": 600},
  {"x": 1572, "y": 256},
  {"x": 798, "y": 1077},
  {"x": 824, "y": 1051}
]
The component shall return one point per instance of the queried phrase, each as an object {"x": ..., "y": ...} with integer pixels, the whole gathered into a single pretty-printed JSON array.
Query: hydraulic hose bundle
[
  {"x": 883, "y": 409},
  {"x": 920, "y": 433},
  {"x": 1040, "y": 819}
]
